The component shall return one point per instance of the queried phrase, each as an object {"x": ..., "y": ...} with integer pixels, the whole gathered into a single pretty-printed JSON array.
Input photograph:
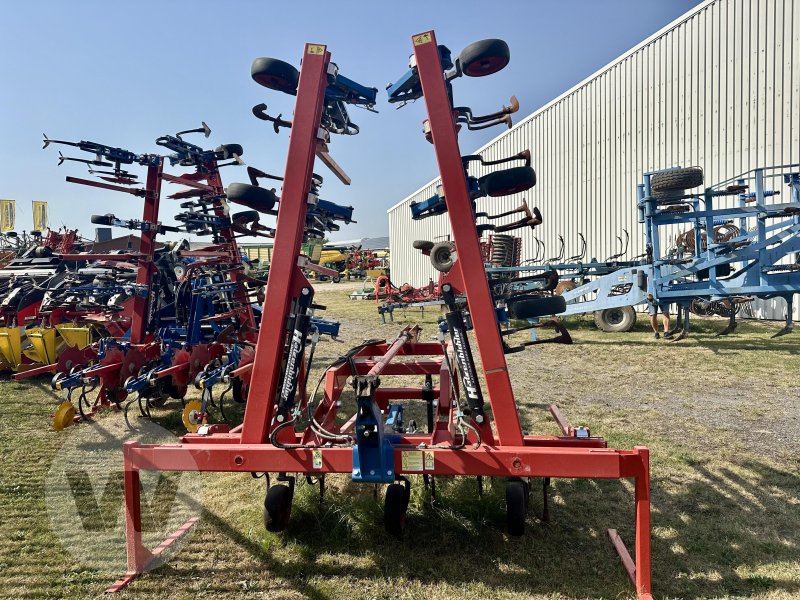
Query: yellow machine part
[
  {"x": 43, "y": 345},
  {"x": 375, "y": 272},
  {"x": 75, "y": 336},
  {"x": 47, "y": 342},
  {"x": 331, "y": 256},
  {"x": 11, "y": 345},
  {"x": 192, "y": 417},
  {"x": 64, "y": 415}
]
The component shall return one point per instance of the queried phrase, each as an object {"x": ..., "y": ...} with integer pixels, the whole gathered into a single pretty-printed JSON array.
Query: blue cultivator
[{"x": 729, "y": 255}]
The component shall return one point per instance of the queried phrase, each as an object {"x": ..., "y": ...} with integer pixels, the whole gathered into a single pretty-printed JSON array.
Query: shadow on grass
[
  {"x": 727, "y": 531},
  {"x": 743, "y": 341}
]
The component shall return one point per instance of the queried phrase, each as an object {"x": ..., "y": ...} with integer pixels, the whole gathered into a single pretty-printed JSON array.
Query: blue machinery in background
[{"x": 751, "y": 252}]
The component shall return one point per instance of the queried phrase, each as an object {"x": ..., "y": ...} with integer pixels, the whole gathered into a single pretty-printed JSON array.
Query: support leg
[
  {"x": 685, "y": 329},
  {"x": 789, "y": 327},
  {"x": 139, "y": 557},
  {"x": 731, "y": 327},
  {"x": 643, "y": 567},
  {"x": 639, "y": 572}
]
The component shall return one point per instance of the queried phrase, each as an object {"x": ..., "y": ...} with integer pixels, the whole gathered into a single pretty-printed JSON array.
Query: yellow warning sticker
[
  {"x": 412, "y": 461},
  {"x": 422, "y": 38},
  {"x": 316, "y": 49},
  {"x": 429, "y": 462},
  {"x": 316, "y": 459}
]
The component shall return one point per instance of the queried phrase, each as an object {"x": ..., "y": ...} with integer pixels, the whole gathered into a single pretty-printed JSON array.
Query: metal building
[{"x": 718, "y": 87}]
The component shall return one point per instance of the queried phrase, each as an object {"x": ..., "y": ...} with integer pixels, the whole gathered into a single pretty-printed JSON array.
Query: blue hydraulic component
[
  {"x": 343, "y": 89},
  {"x": 408, "y": 87},
  {"x": 332, "y": 210},
  {"x": 435, "y": 205},
  {"x": 212, "y": 376},
  {"x": 373, "y": 453},
  {"x": 140, "y": 382}
]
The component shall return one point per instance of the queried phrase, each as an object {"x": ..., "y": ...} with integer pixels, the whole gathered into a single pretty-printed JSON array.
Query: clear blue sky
[{"x": 123, "y": 73}]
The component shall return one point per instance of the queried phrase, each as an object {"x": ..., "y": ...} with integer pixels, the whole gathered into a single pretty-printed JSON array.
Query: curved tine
[
  {"x": 143, "y": 408},
  {"x": 540, "y": 245},
  {"x": 513, "y": 106},
  {"x": 206, "y": 399},
  {"x": 526, "y": 156},
  {"x": 583, "y": 244},
  {"x": 225, "y": 392},
  {"x": 81, "y": 399},
  {"x": 526, "y": 209},
  {"x": 125, "y": 414},
  {"x": 69, "y": 397}
]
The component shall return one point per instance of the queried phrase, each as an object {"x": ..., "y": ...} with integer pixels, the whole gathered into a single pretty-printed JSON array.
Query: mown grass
[{"x": 719, "y": 414}]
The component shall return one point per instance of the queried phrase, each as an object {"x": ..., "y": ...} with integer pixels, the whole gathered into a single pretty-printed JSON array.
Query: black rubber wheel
[
  {"x": 675, "y": 180},
  {"x": 516, "y": 506},
  {"x": 245, "y": 216},
  {"x": 336, "y": 279},
  {"x": 228, "y": 150},
  {"x": 275, "y": 74},
  {"x": 508, "y": 181},
  {"x": 422, "y": 245},
  {"x": 443, "y": 256},
  {"x": 531, "y": 308},
  {"x": 101, "y": 219},
  {"x": 615, "y": 320},
  {"x": 277, "y": 508},
  {"x": 395, "y": 509},
  {"x": 484, "y": 57},
  {"x": 252, "y": 196}
]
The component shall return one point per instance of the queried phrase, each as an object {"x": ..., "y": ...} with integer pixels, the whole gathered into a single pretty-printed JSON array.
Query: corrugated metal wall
[{"x": 718, "y": 88}]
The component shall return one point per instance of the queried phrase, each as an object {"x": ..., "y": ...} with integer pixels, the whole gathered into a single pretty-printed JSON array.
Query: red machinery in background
[{"x": 290, "y": 429}]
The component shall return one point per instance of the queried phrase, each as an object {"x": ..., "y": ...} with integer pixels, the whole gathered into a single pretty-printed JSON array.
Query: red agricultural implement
[
  {"x": 289, "y": 429},
  {"x": 186, "y": 313}
]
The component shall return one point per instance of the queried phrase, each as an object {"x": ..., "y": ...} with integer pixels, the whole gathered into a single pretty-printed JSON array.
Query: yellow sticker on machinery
[
  {"x": 316, "y": 49},
  {"x": 429, "y": 461},
  {"x": 422, "y": 38},
  {"x": 412, "y": 460}
]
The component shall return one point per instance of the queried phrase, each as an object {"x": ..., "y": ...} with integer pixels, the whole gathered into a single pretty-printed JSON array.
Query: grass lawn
[{"x": 720, "y": 416}]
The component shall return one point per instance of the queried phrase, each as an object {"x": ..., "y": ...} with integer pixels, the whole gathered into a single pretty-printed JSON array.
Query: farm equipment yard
[
  {"x": 564, "y": 368},
  {"x": 723, "y": 461}
]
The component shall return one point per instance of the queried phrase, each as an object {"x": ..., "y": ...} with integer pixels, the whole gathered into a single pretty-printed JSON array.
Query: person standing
[{"x": 653, "y": 308}]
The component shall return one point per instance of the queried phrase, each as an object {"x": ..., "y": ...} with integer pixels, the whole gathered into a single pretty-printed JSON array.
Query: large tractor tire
[{"x": 675, "y": 182}]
